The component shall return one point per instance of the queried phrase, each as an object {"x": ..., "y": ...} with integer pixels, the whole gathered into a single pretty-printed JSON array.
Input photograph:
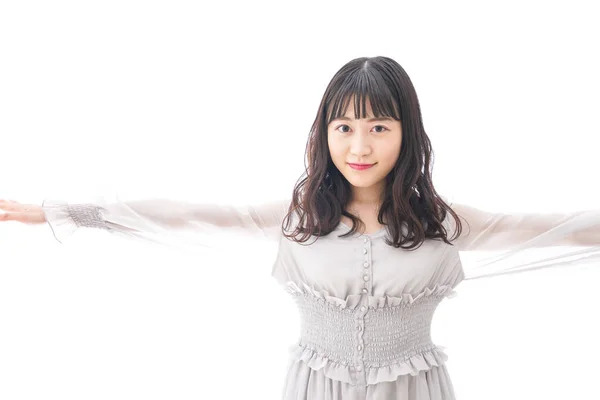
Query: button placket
[
  {"x": 366, "y": 277},
  {"x": 360, "y": 320},
  {"x": 367, "y": 272}
]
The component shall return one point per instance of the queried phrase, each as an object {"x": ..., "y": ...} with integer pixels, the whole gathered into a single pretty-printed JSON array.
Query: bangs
[{"x": 363, "y": 85}]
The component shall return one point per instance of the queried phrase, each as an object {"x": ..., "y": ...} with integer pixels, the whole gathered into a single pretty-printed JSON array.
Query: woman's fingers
[
  {"x": 4, "y": 216},
  {"x": 30, "y": 217},
  {"x": 9, "y": 205},
  {"x": 11, "y": 210},
  {"x": 8, "y": 216},
  {"x": 15, "y": 206}
]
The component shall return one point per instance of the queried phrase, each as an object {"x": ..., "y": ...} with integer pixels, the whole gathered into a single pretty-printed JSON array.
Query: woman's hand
[{"x": 26, "y": 213}]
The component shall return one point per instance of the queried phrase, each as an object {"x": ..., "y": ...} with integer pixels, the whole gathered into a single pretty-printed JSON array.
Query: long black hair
[{"x": 322, "y": 193}]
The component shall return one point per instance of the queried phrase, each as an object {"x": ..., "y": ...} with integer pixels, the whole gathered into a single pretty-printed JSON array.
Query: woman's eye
[
  {"x": 343, "y": 126},
  {"x": 383, "y": 128}
]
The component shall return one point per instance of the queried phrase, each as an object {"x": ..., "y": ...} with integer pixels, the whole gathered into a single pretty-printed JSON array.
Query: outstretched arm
[
  {"x": 153, "y": 220},
  {"x": 158, "y": 216},
  {"x": 525, "y": 241},
  {"x": 499, "y": 231}
]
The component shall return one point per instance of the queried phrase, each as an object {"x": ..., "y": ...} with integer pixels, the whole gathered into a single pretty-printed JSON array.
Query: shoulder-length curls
[{"x": 322, "y": 193}]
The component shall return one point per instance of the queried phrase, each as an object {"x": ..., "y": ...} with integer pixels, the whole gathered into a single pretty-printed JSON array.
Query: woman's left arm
[
  {"x": 500, "y": 231},
  {"x": 542, "y": 239}
]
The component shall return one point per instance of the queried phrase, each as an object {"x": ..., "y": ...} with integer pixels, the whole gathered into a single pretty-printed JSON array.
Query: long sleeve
[
  {"x": 505, "y": 243},
  {"x": 157, "y": 220}
]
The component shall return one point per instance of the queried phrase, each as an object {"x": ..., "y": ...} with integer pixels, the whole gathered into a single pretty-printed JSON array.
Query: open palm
[{"x": 11, "y": 210}]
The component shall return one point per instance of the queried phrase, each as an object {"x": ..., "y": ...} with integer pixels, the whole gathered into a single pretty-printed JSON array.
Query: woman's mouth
[{"x": 361, "y": 167}]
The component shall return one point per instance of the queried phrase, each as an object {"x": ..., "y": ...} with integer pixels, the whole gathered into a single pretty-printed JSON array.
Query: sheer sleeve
[
  {"x": 505, "y": 243},
  {"x": 156, "y": 220}
]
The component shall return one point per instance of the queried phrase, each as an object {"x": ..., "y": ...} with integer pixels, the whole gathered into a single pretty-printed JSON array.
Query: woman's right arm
[{"x": 149, "y": 219}]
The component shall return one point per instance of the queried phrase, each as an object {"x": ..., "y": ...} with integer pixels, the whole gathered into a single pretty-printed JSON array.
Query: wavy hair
[{"x": 322, "y": 193}]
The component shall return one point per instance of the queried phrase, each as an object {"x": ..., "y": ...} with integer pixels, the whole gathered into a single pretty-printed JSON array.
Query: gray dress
[{"x": 365, "y": 308}]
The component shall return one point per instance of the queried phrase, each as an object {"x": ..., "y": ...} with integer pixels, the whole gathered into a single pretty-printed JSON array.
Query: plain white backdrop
[{"x": 213, "y": 102}]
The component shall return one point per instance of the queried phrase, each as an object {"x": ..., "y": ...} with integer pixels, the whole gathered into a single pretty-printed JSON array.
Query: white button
[
  {"x": 365, "y": 251},
  {"x": 359, "y": 347},
  {"x": 366, "y": 277},
  {"x": 366, "y": 240},
  {"x": 358, "y": 368},
  {"x": 359, "y": 328},
  {"x": 365, "y": 290},
  {"x": 363, "y": 308},
  {"x": 366, "y": 264}
]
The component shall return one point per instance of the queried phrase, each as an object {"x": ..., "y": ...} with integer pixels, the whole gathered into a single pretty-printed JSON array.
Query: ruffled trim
[
  {"x": 331, "y": 369},
  {"x": 341, "y": 372},
  {"x": 419, "y": 362},
  {"x": 353, "y": 300}
]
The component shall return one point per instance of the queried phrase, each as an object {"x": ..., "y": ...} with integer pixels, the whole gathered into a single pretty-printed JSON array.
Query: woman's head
[
  {"x": 357, "y": 136},
  {"x": 344, "y": 132}
]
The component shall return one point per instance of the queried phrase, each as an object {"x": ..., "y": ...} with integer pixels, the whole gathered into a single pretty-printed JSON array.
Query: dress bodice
[{"x": 365, "y": 307}]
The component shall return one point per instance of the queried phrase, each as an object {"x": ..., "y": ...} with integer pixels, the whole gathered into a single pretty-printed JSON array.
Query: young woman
[{"x": 364, "y": 243}]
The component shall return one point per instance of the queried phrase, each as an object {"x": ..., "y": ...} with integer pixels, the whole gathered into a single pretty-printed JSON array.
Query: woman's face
[{"x": 364, "y": 141}]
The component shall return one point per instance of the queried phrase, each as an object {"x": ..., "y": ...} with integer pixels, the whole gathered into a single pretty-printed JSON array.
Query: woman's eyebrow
[{"x": 368, "y": 120}]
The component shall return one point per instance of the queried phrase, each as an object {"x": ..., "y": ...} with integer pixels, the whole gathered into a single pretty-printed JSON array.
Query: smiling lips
[{"x": 360, "y": 166}]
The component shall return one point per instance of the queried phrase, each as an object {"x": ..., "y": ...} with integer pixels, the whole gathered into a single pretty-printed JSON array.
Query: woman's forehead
[
  {"x": 351, "y": 109},
  {"x": 351, "y": 112},
  {"x": 358, "y": 106}
]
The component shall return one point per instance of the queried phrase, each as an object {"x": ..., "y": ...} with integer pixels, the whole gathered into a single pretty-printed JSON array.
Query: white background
[{"x": 214, "y": 101}]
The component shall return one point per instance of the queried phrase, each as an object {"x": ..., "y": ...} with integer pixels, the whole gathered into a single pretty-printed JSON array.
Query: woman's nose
[{"x": 360, "y": 143}]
